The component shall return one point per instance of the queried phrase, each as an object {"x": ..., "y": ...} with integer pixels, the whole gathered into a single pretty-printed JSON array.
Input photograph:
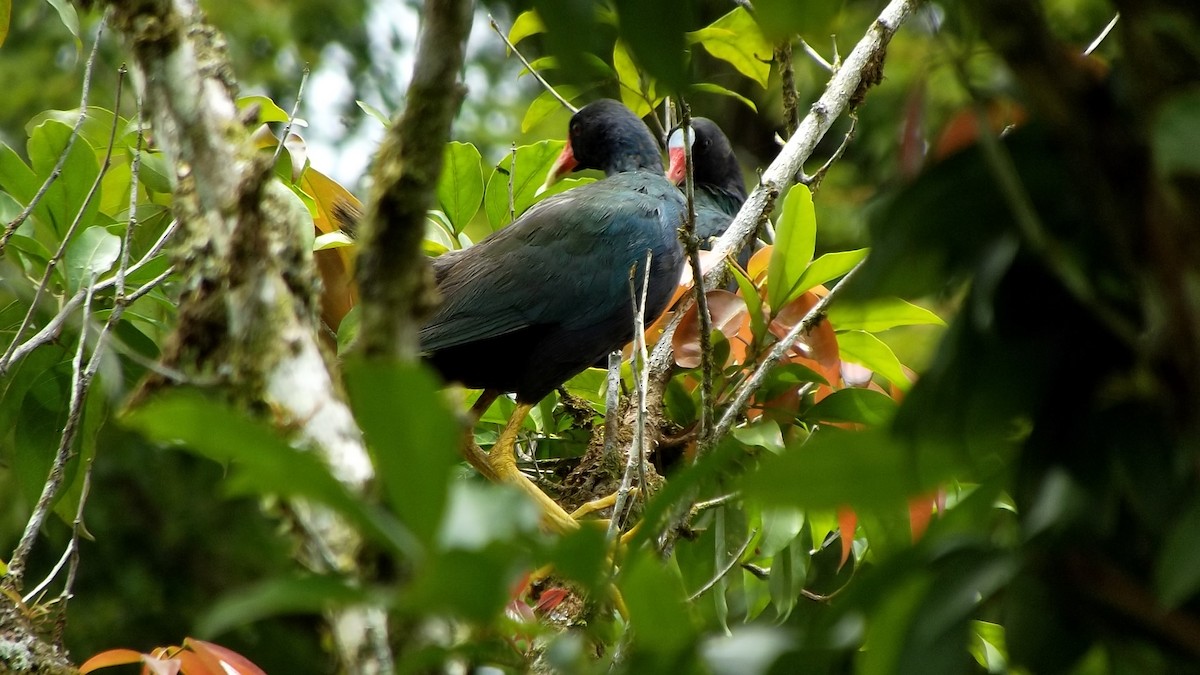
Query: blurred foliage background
[{"x": 1048, "y": 445}]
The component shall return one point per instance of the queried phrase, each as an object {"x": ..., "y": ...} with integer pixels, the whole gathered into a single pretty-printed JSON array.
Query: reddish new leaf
[
  {"x": 241, "y": 664},
  {"x": 729, "y": 316},
  {"x": 847, "y": 523},
  {"x": 112, "y": 657},
  {"x": 920, "y": 511},
  {"x": 195, "y": 664},
  {"x": 816, "y": 349}
]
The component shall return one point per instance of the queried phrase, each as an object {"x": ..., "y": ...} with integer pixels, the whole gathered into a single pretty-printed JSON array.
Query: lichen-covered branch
[
  {"x": 247, "y": 317},
  {"x": 393, "y": 277}
]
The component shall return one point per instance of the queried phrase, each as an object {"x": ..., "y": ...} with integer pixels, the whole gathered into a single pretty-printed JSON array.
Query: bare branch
[
  {"x": 691, "y": 247},
  {"x": 287, "y": 128},
  {"x": 393, "y": 276},
  {"x": 54, "y": 482},
  {"x": 546, "y": 85},
  {"x": 815, "y": 55},
  {"x": 1103, "y": 34},
  {"x": 635, "y": 460},
  {"x": 62, "y": 157}
]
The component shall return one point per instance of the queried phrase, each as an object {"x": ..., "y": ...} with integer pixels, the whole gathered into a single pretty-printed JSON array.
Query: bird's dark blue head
[
  {"x": 713, "y": 162},
  {"x": 606, "y": 135}
]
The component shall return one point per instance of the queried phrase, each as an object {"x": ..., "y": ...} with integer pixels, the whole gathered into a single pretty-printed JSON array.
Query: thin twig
[
  {"x": 54, "y": 482},
  {"x": 692, "y": 247},
  {"x": 635, "y": 461},
  {"x": 549, "y": 87},
  {"x": 53, "y": 328},
  {"x": 814, "y": 181},
  {"x": 62, "y": 248},
  {"x": 33, "y": 594},
  {"x": 816, "y": 56},
  {"x": 781, "y": 348},
  {"x": 699, "y": 507},
  {"x": 62, "y": 157},
  {"x": 135, "y": 166},
  {"x": 612, "y": 399},
  {"x": 733, "y": 562},
  {"x": 287, "y": 128},
  {"x": 1103, "y": 34},
  {"x": 512, "y": 169}
]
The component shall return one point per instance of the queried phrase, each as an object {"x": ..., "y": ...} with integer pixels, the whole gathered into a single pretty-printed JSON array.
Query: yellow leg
[
  {"x": 503, "y": 464},
  {"x": 598, "y": 504}
]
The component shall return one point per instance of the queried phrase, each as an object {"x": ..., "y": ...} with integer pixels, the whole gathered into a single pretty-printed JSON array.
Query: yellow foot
[{"x": 599, "y": 504}]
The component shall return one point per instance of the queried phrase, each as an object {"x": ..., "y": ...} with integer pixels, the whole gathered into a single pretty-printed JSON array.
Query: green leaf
[
  {"x": 710, "y": 88},
  {"x": 280, "y": 597},
  {"x": 860, "y": 406},
  {"x": 528, "y": 169},
  {"x": 66, "y": 196},
  {"x": 789, "y": 570},
  {"x": 749, "y": 293},
  {"x": 260, "y": 461},
  {"x": 829, "y": 267},
  {"x": 867, "y": 350},
  {"x": 5, "y": 17},
  {"x": 376, "y": 113},
  {"x": 629, "y": 81},
  {"x": 788, "y": 376},
  {"x": 545, "y": 105},
  {"x": 785, "y": 19},
  {"x": 880, "y": 314},
  {"x": 1177, "y": 572},
  {"x": 833, "y": 468},
  {"x": 70, "y": 19},
  {"x": 480, "y": 514},
  {"x": 17, "y": 179},
  {"x": 348, "y": 330},
  {"x": 657, "y": 604},
  {"x": 763, "y": 433},
  {"x": 472, "y": 584},
  {"x": 413, "y": 437},
  {"x": 268, "y": 110},
  {"x": 795, "y": 242},
  {"x": 1176, "y": 134},
  {"x": 780, "y": 528},
  {"x": 655, "y": 32},
  {"x": 92, "y": 252},
  {"x": 527, "y": 23},
  {"x": 460, "y": 188},
  {"x": 737, "y": 39},
  {"x": 155, "y": 172}
]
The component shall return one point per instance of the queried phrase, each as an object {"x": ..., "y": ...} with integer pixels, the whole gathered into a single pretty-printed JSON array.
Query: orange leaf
[
  {"x": 920, "y": 511},
  {"x": 817, "y": 349},
  {"x": 195, "y": 664},
  {"x": 335, "y": 265},
  {"x": 757, "y": 267},
  {"x": 112, "y": 657},
  {"x": 963, "y": 129},
  {"x": 728, "y": 315},
  {"x": 847, "y": 522},
  {"x": 241, "y": 664}
]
